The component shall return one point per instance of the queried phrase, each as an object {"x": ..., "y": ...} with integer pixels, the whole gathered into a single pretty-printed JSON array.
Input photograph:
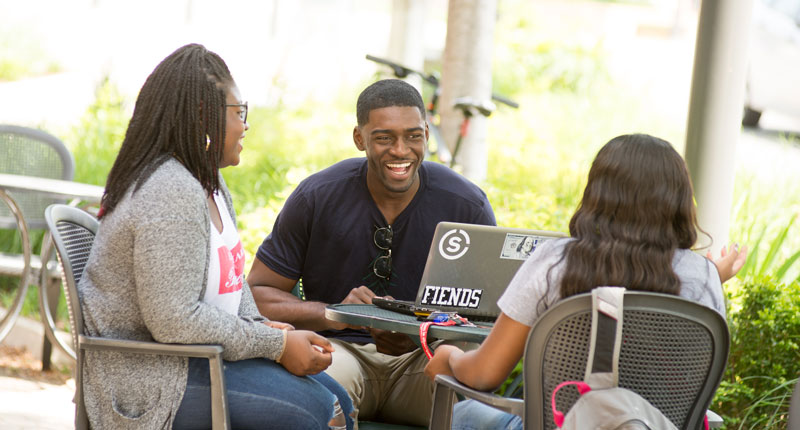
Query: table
[
  {"x": 55, "y": 188},
  {"x": 372, "y": 316},
  {"x": 52, "y": 187}
]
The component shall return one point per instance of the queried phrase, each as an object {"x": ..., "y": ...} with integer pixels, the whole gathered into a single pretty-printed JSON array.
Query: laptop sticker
[
  {"x": 450, "y": 296},
  {"x": 518, "y": 246},
  {"x": 454, "y": 244}
]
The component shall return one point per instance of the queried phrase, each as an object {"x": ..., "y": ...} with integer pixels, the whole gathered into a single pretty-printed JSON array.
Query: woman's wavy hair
[
  {"x": 180, "y": 112},
  {"x": 637, "y": 209}
]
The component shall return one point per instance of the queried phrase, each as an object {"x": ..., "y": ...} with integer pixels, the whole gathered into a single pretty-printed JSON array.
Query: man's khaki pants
[{"x": 383, "y": 387}]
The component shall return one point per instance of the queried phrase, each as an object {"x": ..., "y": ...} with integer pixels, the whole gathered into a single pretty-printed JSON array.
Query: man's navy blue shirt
[{"x": 324, "y": 234}]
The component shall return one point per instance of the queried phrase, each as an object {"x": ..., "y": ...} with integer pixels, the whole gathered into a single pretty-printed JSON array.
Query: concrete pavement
[
  {"x": 30, "y": 399},
  {"x": 26, "y": 404}
]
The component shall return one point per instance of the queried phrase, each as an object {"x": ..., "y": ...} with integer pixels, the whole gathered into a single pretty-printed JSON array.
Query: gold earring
[{"x": 208, "y": 142}]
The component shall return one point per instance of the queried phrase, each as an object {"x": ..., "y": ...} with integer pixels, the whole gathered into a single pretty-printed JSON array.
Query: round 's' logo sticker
[{"x": 454, "y": 244}]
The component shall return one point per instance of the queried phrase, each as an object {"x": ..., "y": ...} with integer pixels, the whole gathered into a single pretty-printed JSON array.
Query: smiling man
[{"x": 360, "y": 229}]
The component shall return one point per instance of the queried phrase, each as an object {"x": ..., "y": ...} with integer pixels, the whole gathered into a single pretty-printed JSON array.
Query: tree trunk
[{"x": 467, "y": 72}]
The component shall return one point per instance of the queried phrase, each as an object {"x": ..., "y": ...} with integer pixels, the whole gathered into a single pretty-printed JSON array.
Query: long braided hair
[
  {"x": 180, "y": 112},
  {"x": 637, "y": 209}
]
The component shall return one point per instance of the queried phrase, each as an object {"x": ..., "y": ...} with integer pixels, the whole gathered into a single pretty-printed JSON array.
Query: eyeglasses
[
  {"x": 243, "y": 112},
  {"x": 383, "y": 240}
]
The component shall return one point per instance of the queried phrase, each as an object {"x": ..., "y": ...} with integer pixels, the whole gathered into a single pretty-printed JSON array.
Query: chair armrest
[
  {"x": 139, "y": 347},
  {"x": 512, "y": 406},
  {"x": 443, "y": 398},
  {"x": 219, "y": 399}
]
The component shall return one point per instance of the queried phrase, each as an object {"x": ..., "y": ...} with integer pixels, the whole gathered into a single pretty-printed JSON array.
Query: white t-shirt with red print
[{"x": 226, "y": 268}]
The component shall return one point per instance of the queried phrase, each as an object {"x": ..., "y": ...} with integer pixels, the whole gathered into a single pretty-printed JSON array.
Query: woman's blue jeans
[
  {"x": 474, "y": 415},
  {"x": 262, "y": 394}
]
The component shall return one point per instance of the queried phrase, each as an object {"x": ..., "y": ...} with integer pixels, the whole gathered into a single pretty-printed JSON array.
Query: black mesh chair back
[
  {"x": 30, "y": 152},
  {"x": 673, "y": 354},
  {"x": 73, "y": 233}
]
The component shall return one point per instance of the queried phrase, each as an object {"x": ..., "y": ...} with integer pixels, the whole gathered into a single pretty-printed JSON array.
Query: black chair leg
[
  {"x": 53, "y": 291},
  {"x": 47, "y": 350}
]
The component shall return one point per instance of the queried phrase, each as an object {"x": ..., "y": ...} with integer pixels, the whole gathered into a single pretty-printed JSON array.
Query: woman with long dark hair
[
  {"x": 635, "y": 227},
  {"x": 167, "y": 266}
]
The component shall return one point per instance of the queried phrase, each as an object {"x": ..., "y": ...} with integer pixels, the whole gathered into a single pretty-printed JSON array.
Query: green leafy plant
[
  {"x": 96, "y": 139},
  {"x": 768, "y": 249},
  {"x": 764, "y": 360},
  {"x": 759, "y": 266}
]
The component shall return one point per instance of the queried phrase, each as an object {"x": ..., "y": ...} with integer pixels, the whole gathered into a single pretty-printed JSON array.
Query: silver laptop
[{"x": 468, "y": 268}]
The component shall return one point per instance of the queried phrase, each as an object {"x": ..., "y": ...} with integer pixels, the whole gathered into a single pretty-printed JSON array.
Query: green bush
[
  {"x": 96, "y": 139},
  {"x": 764, "y": 360}
]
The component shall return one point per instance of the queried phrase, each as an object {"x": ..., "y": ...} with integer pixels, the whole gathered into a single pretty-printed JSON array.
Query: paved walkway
[
  {"x": 26, "y": 404},
  {"x": 27, "y": 401}
]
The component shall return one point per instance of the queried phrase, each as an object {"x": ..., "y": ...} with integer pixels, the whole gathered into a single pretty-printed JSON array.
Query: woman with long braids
[
  {"x": 634, "y": 227},
  {"x": 167, "y": 266}
]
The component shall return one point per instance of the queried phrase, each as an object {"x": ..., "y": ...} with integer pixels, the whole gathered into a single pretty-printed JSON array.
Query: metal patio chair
[
  {"x": 30, "y": 152},
  {"x": 673, "y": 354},
  {"x": 73, "y": 233}
]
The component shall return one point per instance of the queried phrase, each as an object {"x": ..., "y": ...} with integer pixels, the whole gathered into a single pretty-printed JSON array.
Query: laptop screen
[{"x": 469, "y": 266}]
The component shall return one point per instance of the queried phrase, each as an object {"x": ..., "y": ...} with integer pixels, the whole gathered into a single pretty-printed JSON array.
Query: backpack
[{"x": 603, "y": 405}]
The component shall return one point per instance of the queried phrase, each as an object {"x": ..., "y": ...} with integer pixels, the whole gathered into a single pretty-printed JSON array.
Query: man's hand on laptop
[
  {"x": 392, "y": 343},
  {"x": 360, "y": 295}
]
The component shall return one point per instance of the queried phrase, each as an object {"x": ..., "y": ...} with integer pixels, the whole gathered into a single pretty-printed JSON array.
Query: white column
[{"x": 715, "y": 111}]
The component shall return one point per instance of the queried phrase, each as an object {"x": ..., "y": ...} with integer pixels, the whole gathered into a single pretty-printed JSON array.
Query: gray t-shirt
[{"x": 522, "y": 299}]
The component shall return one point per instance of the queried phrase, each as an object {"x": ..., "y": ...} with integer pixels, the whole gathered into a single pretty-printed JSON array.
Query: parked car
[{"x": 774, "y": 63}]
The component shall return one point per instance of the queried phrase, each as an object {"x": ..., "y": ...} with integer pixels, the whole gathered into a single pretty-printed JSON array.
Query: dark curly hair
[
  {"x": 637, "y": 209},
  {"x": 180, "y": 112}
]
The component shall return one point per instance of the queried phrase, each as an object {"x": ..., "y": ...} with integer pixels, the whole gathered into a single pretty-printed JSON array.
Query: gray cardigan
[{"x": 144, "y": 280}]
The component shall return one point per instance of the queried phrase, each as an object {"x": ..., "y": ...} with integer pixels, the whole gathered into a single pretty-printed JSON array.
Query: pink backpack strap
[{"x": 558, "y": 416}]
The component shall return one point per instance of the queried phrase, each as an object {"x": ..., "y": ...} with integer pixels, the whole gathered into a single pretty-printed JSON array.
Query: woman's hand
[
  {"x": 306, "y": 353},
  {"x": 730, "y": 261},
  {"x": 279, "y": 325},
  {"x": 440, "y": 362}
]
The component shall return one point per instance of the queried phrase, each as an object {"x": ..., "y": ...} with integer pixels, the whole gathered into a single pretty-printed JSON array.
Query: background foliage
[
  {"x": 764, "y": 361},
  {"x": 23, "y": 56}
]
